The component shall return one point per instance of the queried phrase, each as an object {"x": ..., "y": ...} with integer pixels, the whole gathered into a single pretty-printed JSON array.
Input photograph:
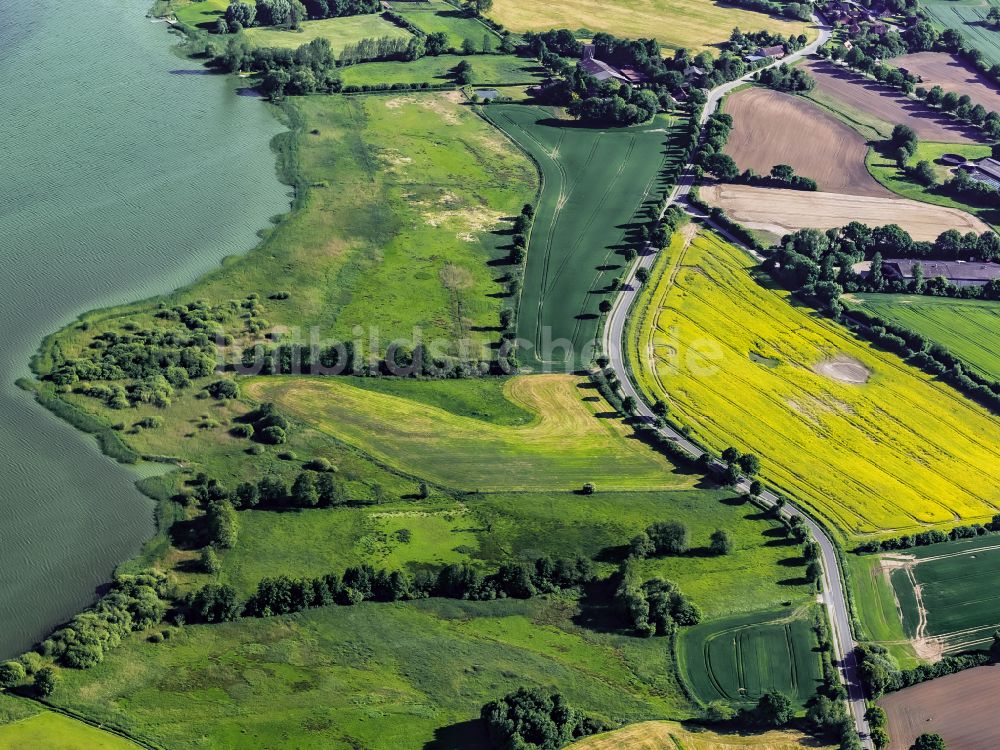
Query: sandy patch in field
[
  {"x": 951, "y": 74},
  {"x": 784, "y": 211},
  {"x": 843, "y": 368},
  {"x": 470, "y": 222},
  {"x": 888, "y": 105},
  {"x": 770, "y": 128},
  {"x": 444, "y": 105}
]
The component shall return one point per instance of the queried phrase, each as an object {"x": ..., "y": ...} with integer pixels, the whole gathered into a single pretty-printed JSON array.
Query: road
[{"x": 834, "y": 596}]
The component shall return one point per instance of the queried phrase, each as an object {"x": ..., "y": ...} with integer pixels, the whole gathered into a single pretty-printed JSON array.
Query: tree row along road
[{"x": 834, "y": 594}]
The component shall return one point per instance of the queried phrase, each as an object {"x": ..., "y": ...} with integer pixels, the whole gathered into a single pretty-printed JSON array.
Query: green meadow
[
  {"x": 201, "y": 14},
  {"x": 969, "y": 329},
  {"x": 597, "y": 185},
  {"x": 340, "y": 32},
  {"x": 436, "y": 16},
  {"x": 498, "y": 70},
  {"x": 739, "y": 659}
]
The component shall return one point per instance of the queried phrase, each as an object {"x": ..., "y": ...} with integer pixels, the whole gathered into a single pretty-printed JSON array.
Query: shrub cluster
[
  {"x": 786, "y": 78},
  {"x": 881, "y": 675},
  {"x": 535, "y": 720},
  {"x": 653, "y": 607},
  {"x": 925, "y": 538},
  {"x": 283, "y": 595},
  {"x": 133, "y": 603}
]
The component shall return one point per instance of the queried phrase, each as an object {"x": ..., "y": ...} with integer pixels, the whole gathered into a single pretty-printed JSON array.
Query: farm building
[
  {"x": 776, "y": 51},
  {"x": 960, "y": 273},
  {"x": 985, "y": 170},
  {"x": 603, "y": 71}
]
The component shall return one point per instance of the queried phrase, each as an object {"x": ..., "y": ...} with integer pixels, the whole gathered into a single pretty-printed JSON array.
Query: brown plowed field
[
  {"x": 888, "y": 105},
  {"x": 773, "y": 128},
  {"x": 951, "y": 74},
  {"x": 961, "y": 708},
  {"x": 784, "y": 211}
]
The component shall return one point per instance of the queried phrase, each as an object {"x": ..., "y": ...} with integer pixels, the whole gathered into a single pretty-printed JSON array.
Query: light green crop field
[
  {"x": 433, "y": 17},
  {"x": 885, "y": 170},
  {"x": 970, "y": 329},
  {"x": 499, "y": 70},
  {"x": 969, "y": 18},
  {"x": 340, "y": 32},
  {"x": 202, "y": 14},
  {"x": 692, "y": 24},
  {"x": 945, "y": 595},
  {"x": 595, "y": 184},
  {"x": 740, "y": 658},
  {"x": 565, "y": 447},
  {"x": 876, "y": 609},
  {"x": 378, "y": 676},
  {"x": 866, "y": 441},
  {"x": 25, "y": 725}
]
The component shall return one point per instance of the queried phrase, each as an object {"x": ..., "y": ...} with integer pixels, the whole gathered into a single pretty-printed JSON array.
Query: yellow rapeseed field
[{"x": 867, "y": 441}]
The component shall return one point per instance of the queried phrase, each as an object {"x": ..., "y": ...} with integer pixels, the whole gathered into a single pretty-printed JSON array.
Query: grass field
[
  {"x": 563, "y": 448},
  {"x": 739, "y": 659},
  {"x": 24, "y": 724},
  {"x": 886, "y": 171},
  {"x": 945, "y": 601},
  {"x": 969, "y": 18},
  {"x": 383, "y": 677},
  {"x": 692, "y": 24},
  {"x": 486, "y": 69},
  {"x": 743, "y": 365},
  {"x": 340, "y": 32},
  {"x": 595, "y": 183},
  {"x": 202, "y": 14},
  {"x": 668, "y": 735},
  {"x": 875, "y": 608},
  {"x": 435, "y": 16},
  {"x": 970, "y": 329}
]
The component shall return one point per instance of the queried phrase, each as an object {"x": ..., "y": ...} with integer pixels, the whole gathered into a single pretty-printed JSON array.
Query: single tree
[
  {"x": 45, "y": 681},
  {"x": 209, "y": 561},
  {"x": 774, "y": 709},
  {"x": 11, "y": 673},
  {"x": 929, "y": 741},
  {"x": 721, "y": 543}
]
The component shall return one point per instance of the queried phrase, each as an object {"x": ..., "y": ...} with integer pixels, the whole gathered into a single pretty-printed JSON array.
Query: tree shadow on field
[
  {"x": 463, "y": 735},
  {"x": 734, "y": 501},
  {"x": 792, "y": 562},
  {"x": 189, "y": 534},
  {"x": 597, "y": 608}
]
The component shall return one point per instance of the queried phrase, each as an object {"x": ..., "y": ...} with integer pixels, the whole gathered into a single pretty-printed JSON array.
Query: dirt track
[
  {"x": 773, "y": 128},
  {"x": 951, "y": 74},
  {"x": 960, "y": 707},
  {"x": 784, "y": 211},
  {"x": 885, "y": 104}
]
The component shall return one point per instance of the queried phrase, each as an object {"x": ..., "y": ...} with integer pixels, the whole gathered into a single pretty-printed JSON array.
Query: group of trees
[
  {"x": 382, "y": 48},
  {"x": 798, "y": 11},
  {"x": 880, "y": 673},
  {"x": 14, "y": 673},
  {"x": 536, "y": 720},
  {"x": 786, "y": 78},
  {"x": 282, "y": 595},
  {"x": 931, "y": 536},
  {"x": 309, "y": 68},
  {"x": 133, "y": 603},
  {"x": 746, "y": 43},
  {"x": 612, "y": 103},
  {"x": 665, "y": 538},
  {"x": 289, "y": 13},
  {"x": 652, "y": 607}
]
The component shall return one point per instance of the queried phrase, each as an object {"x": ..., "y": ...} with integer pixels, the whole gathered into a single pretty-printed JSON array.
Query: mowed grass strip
[
  {"x": 575, "y": 438},
  {"x": 667, "y": 735},
  {"x": 740, "y": 363},
  {"x": 203, "y": 14},
  {"x": 30, "y": 727},
  {"x": 340, "y": 32},
  {"x": 970, "y": 329},
  {"x": 691, "y": 24},
  {"x": 739, "y": 659},
  {"x": 876, "y": 609},
  {"x": 499, "y": 70},
  {"x": 595, "y": 183}
]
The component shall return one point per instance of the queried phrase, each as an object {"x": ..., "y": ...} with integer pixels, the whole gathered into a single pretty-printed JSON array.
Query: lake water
[{"x": 124, "y": 172}]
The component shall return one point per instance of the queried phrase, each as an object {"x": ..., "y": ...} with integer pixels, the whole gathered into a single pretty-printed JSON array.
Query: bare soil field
[
  {"x": 885, "y": 104},
  {"x": 960, "y": 707},
  {"x": 951, "y": 74},
  {"x": 784, "y": 211},
  {"x": 770, "y": 128}
]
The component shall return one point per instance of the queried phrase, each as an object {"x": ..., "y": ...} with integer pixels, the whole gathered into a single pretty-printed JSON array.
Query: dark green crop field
[
  {"x": 945, "y": 593},
  {"x": 970, "y": 329},
  {"x": 740, "y": 658},
  {"x": 595, "y": 185},
  {"x": 969, "y": 18}
]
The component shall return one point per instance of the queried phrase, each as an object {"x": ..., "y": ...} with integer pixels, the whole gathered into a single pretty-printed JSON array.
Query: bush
[
  {"x": 11, "y": 673},
  {"x": 588, "y": 489},
  {"x": 45, "y": 682}
]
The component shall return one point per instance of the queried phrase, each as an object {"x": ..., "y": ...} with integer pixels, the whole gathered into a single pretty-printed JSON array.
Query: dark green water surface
[{"x": 124, "y": 172}]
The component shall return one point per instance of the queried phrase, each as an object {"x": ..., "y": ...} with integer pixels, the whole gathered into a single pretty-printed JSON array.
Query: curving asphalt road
[{"x": 834, "y": 596}]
